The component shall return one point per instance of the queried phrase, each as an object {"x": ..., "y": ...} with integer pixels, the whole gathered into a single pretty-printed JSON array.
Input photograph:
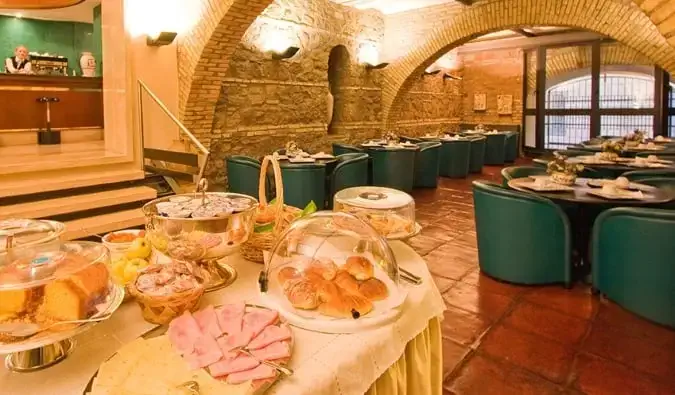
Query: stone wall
[
  {"x": 493, "y": 73},
  {"x": 264, "y": 103}
]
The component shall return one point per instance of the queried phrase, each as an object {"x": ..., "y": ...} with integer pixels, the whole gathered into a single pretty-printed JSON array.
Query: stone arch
[
  {"x": 623, "y": 22},
  {"x": 204, "y": 57},
  {"x": 339, "y": 61}
]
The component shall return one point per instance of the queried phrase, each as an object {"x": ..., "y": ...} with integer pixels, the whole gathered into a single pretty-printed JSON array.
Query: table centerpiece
[
  {"x": 635, "y": 138},
  {"x": 563, "y": 172},
  {"x": 610, "y": 150}
]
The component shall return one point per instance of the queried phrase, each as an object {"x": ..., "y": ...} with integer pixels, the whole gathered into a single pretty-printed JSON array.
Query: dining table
[
  {"x": 612, "y": 169},
  {"x": 402, "y": 355},
  {"x": 582, "y": 207}
]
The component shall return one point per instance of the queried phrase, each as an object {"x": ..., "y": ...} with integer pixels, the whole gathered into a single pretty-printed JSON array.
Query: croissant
[
  {"x": 327, "y": 291},
  {"x": 286, "y": 274},
  {"x": 374, "y": 289},
  {"x": 323, "y": 267},
  {"x": 303, "y": 294},
  {"x": 359, "y": 267},
  {"x": 348, "y": 305},
  {"x": 345, "y": 281}
]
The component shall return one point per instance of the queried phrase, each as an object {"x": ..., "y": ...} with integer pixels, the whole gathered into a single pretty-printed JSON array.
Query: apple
[
  {"x": 118, "y": 267},
  {"x": 139, "y": 248},
  {"x": 132, "y": 268}
]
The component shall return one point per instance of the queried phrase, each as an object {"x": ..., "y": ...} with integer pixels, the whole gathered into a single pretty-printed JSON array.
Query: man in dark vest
[{"x": 19, "y": 63}]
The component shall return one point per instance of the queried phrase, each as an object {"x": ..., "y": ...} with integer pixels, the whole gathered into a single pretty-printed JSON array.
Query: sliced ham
[
  {"x": 274, "y": 351},
  {"x": 239, "y": 363},
  {"x": 258, "y": 319},
  {"x": 259, "y": 373},
  {"x": 184, "y": 332},
  {"x": 241, "y": 339},
  {"x": 206, "y": 352},
  {"x": 208, "y": 321},
  {"x": 270, "y": 335},
  {"x": 230, "y": 317}
]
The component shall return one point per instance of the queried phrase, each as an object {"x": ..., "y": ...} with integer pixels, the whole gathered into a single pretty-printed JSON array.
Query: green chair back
[
  {"x": 304, "y": 183},
  {"x": 539, "y": 252},
  {"x": 340, "y": 149},
  {"x": 477, "y": 155},
  {"x": 665, "y": 183},
  {"x": 638, "y": 175},
  {"x": 634, "y": 261},
  {"x": 495, "y": 149},
  {"x": 426, "y": 165},
  {"x": 511, "y": 152},
  {"x": 351, "y": 171},
  {"x": 455, "y": 157},
  {"x": 243, "y": 173},
  {"x": 509, "y": 173},
  {"x": 393, "y": 168}
]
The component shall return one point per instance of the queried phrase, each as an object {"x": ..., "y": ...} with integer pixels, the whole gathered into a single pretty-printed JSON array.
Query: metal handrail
[{"x": 194, "y": 140}]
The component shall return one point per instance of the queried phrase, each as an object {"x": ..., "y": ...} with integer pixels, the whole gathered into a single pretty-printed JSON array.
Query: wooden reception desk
[{"x": 80, "y": 102}]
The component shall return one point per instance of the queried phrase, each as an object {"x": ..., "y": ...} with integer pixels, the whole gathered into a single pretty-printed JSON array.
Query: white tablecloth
[{"x": 324, "y": 363}]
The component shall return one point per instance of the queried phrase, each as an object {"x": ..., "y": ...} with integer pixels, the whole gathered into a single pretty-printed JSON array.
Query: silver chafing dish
[{"x": 202, "y": 227}]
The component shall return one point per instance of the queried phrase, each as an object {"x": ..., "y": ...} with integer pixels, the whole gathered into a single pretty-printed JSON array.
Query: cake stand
[{"x": 47, "y": 349}]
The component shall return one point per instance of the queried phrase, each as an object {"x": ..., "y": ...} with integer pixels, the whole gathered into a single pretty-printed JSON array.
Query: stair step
[
  {"x": 170, "y": 173},
  {"x": 71, "y": 204},
  {"x": 102, "y": 224}
]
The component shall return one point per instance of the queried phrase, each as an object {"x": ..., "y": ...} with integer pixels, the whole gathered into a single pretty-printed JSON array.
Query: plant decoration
[
  {"x": 480, "y": 127},
  {"x": 637, "y": 136},
  {"x": 390, "y": 137},
  {"x": 612, "y": 146},
  {"x": 559, "y": 164},
  {"x": 292, "y": 148}
]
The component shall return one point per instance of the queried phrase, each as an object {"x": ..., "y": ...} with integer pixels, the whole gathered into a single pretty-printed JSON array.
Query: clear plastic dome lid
[
  {"x": 331, "y": 266},
  {"x": 24, "y": 268},
  {"x": 19, "y": 233},
  {"x": 391, "y": 212}
]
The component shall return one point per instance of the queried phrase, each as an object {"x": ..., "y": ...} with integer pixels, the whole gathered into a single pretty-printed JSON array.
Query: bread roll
[
  {"x": 302, "y": 294},
  {"x": 346, "y": 281},
  {"x": 286, "y": 274},
  {"x": 327, "y": 291},
  {"x": 323, "y": 267},
  {"x": 359, "y": 267},
  {"x": 348, "y": 305},
  {"x": 374, "y": 289}
]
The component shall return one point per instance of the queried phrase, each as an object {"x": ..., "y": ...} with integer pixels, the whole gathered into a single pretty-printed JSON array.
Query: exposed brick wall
[
  {"x": 662, "y": 13},
  {"x": 621, "y": 20}
]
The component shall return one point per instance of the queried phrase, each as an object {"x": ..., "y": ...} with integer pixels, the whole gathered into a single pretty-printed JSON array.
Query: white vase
[{"x": 88, "y": 64}]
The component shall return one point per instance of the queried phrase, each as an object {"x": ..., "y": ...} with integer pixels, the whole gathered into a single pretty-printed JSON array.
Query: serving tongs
[{"x": 281, "y": 369}]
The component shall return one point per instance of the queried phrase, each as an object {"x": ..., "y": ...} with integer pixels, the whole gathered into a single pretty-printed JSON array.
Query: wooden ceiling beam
[
  {"x": 465, "y": 2},
  {"x": 523, "y": 32}
]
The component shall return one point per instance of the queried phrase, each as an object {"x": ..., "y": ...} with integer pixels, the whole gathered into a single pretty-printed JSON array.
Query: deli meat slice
[
  {"x": 208, "y": 321},
  {"x": 274, "y": 351},
  {"x": 230, "y": 317},
  {"x": 258, "y": 319},
  {"x": 241, "y": 339},
  {"x": 270, "y": 335},
  {"x": 260, "y": 373},
  {"x": 184, "y": 332},
  {"x": 206, "y": 352},
  {"x": 239, "y": 363}
]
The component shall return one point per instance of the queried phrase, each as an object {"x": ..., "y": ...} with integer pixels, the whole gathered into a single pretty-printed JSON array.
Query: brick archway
[
  {"x": 204, "y": 57},
  {"x": 626, "y": 23}
]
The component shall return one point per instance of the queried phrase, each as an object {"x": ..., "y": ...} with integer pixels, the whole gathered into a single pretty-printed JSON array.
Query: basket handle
[{"x": 278, "y": 182}]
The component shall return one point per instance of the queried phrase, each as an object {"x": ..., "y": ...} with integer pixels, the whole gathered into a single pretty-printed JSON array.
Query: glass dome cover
[
  {"x": 391, "y": 212},
  {"x": 20, "y": 233},
  {"x": 328, "y": 269}
]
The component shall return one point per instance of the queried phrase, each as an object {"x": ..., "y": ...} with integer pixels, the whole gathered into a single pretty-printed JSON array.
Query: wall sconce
[
  {"x": 448, "y": 76},
  {"x": 278, "y": 42},
  {"x": 161, "y": 38},
  {"x": 369, "y": 55}
]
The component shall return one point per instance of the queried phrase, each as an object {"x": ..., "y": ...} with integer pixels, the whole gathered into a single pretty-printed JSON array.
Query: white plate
[
  {"x": 649, "y": 165},
  {"x": 599, "y": 183},
  {"x": 323, "y": 156},
  {"x": 302, "y": 160},
  {"x": 618, "y": 196},
  {"x": 550, "y": 187}
]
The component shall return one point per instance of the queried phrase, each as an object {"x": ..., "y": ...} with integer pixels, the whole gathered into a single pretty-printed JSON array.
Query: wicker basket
[
  {"x": 162, "y": 309},
  {"x": 252, "y": 249}
]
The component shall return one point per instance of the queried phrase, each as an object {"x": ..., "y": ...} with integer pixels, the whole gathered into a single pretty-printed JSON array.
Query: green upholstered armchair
[
  {"x": 522, "y": 238},
  {"x": 393, "y": 168},
  {"x": 351, "y": 171},
  {"x": 511, "y": 152},
  {"x": 509, "y": 173},
  {"x": 663, "y": 183},
  {"x": 495, "y": 149},
  {"x": 426, "y": 165},
  {"x": 477, "y": 155},
  {"x": 454, "y": 158},
  {"x": 634, "y": 261},
  {"x": 243, "y": 173},
  {"x": 638, "y": 175},
  {"x": 339, "y": 149},
  {"x": 304, "y": 183}
]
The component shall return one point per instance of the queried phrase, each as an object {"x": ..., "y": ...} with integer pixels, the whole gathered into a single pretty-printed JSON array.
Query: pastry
[
  {"x": 324, "y": 267},
  {"x": 346, "y": 281},
  {"x": 374, "y": 289},
  {"x": 303, "y": 294},
  {"x": 286, "y": 274},
  {"x": 348, "y": 305},
  {"x": 359, "y": 267},
  {"x": 327, "y": 291},
  {"x": 74, "y": 297}
]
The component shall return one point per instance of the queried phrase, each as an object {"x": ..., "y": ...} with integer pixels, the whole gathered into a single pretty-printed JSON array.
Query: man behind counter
[{"x": 19, "y": 63}]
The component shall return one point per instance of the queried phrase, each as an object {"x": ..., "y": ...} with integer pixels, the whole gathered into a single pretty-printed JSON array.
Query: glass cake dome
[
  {"x": 29, "y": 233},
  {"x": 391, "y": 212},
  {"x": 334, "y": 273}
]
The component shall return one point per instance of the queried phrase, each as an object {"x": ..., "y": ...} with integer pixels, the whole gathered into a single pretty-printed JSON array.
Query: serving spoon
[
  {"x": 281, "y": 369},
  {"x": 25, "y": 329}
]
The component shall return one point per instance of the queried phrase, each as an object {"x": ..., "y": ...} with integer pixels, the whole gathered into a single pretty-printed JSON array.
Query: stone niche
[{"x": 264, "y": 102}]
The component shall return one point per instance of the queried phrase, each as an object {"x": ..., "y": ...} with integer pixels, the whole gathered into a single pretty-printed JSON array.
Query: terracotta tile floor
[{"x": 505, "y": 339}]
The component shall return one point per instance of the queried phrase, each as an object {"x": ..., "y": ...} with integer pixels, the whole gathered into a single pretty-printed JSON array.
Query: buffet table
[{"x": 404, "y": 356}]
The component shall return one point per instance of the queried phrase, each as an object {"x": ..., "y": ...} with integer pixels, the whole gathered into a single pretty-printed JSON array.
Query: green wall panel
[
  {"x": 68, "y": 39},
  {"x": 97, "y": 41}
]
